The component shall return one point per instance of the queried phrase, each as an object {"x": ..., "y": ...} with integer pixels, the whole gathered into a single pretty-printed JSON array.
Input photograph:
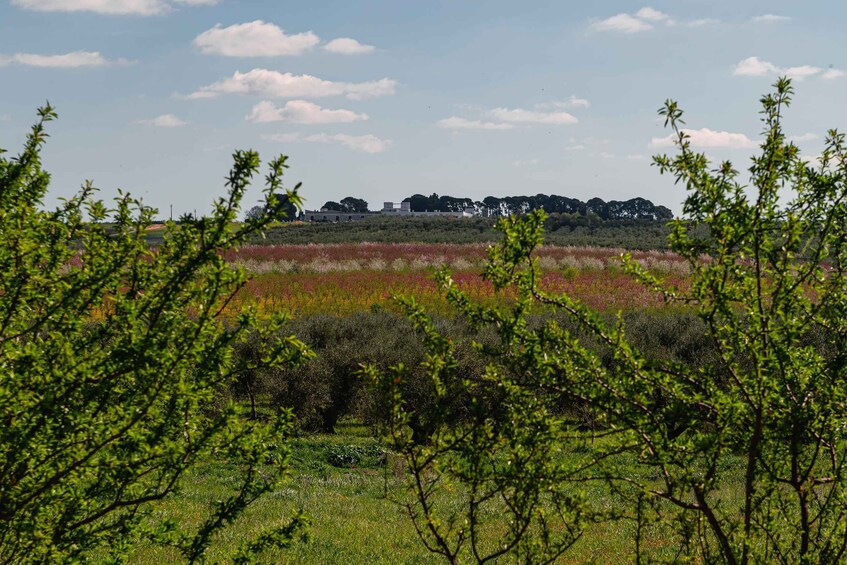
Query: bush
[
  {"x": 111, "y": 354},
  {"x": 744, "y": 440}
]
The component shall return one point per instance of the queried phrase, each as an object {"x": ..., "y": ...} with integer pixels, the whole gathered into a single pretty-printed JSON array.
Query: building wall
[{"x": 388, "y": 209}]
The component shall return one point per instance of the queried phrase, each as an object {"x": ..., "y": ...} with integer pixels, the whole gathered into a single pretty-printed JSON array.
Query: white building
[{"x": 388, "y": 209}]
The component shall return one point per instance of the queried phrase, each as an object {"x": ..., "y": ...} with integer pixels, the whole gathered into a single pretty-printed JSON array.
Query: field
[
  {"x": 346, "y": 278},
  {"x": 341, "y": 480},
  {"x": 354, "y": 522}
]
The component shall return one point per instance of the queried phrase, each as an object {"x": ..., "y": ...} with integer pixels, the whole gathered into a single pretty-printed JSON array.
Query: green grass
[{"x": 340, "y": 482}]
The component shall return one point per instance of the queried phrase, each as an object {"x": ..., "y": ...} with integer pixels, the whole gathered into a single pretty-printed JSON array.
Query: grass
[{"x": 340, "y": 481}]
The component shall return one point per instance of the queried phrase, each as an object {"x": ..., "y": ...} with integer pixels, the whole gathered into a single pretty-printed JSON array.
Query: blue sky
[{"x": 383, "y": 99}]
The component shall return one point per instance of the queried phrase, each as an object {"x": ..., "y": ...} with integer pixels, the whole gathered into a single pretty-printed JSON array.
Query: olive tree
[
  {"x": 111, "y": 354},
  {"x": 745, "y": 455}
]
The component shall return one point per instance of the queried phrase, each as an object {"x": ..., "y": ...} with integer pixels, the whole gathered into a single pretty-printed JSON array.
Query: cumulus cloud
[
  {"x": 348, "y": 46},
  {"x": 525, "y": 162},
  {"x": 274, "y": 84},
  {"x": 707, "y": 139},
  {"x": 72, "y": 60},
  {"x": 623, "y": 23},
  {"x": 644, "y": 19},
  {"x": 520, "y": 116},
  {"x": 109, "y": 7},
  {"x": 163, "y": 121},
  {"x": 770, "y": 18},
  {"x": 801, "y": 72},
  {"x": 456, "y": 123},
  {"x": 366, "y": 143},
  {"x": 253, "y": 39},
  {"x": 753, "y": 66},
  {"x": 653, "y": 15},
  {"x": 301, "y": 112}
]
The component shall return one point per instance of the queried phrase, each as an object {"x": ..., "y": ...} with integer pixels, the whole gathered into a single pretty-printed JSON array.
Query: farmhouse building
[{"x": 388, "y": 209}]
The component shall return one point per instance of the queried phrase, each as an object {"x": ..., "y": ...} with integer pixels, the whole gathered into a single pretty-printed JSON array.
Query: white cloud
[
  {"x": 769, "y": 18},
  {"x": 72, "y": 60},
  {"x": 753, "y": 66},
  {"x": 163, "y": 121},
  {"x": 109, "y": 7},
  {"x": 253, "y": 39},
  {"x": 274, "y": 84},
  {"x": 572, "y": 102},
  {"x": 623, "y": 23},
  {"x": 301, "y": 112},
  {"x": 801, "y": 72},
  {"x": 366, "y": 143},
  {"x": 644, "y": 20},
  {"x": 575, "y": 147},
  {"x": 455, "y": 123},
  {"x": 702, "y": 22},
  {"x": 520, "y": 116},
  {"x": 653, "y": 15},
  {"x": 525, "y": 162},
  {"x": 707, "y": 139},
  {"x": 575, "y": 102},
  {"x": 113, "y": 7},
  {"x": 803, "y": 137},
  {"x": 348, "y": 46}
]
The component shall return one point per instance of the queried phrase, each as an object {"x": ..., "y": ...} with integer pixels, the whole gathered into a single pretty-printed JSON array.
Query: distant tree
[
  {"x": 331, "y": 205},
  {"x": 281, "y": 208},
  {"x": 255, "y": 213},
  {"x": 355, "y": 205}
]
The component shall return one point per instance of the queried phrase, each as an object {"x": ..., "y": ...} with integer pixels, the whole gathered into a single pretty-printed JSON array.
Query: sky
[{"x": 382, "y": 99}]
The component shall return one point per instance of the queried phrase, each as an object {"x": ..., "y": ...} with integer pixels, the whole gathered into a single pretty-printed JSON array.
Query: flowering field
[{"x": 346, "y": 278}]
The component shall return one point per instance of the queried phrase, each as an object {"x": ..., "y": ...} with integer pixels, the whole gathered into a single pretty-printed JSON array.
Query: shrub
[
  {"x": 764, "y": 411},
  {"x": 110, "y": 357}
]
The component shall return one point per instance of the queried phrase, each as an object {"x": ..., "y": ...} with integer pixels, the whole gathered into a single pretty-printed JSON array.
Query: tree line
[{"x": 500, "y": 207}]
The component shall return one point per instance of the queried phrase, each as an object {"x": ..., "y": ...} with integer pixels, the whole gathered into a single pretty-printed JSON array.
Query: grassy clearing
[{"x": 341, "y": 481}]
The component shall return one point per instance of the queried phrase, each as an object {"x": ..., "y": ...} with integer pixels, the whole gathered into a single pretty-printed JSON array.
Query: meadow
[{"x": 342, "y": 279}]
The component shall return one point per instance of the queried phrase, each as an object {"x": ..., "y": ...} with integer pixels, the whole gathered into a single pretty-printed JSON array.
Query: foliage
[
  {"x": 110, "y": 356},
  {"x": 563, "y": 229},
  {"x": 348, "y": 204},
  {"x": 769, "y": 286},
  {"x": 493, "y": 206},
  {"x": 278, "y": 207}
]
